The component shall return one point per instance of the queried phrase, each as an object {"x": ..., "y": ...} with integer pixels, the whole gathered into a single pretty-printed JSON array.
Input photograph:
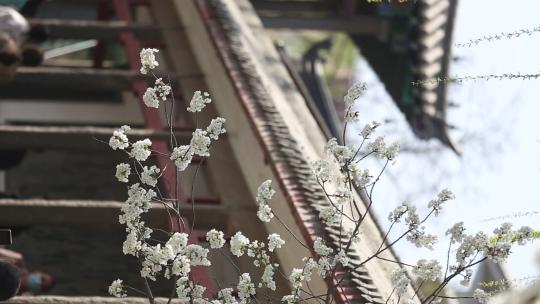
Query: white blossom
[
  {"x": 265, "y": 213},
  {"x": 122, "y": 172},
  {"x": 309, "y": 266},
  {"x": 197, "y": 255},
  {"x": 324, "y": 265},
  {"x": 321, "y": 169},
  {"x": 481, "y": 296},
  {"x": 155, "y": 258},
  {"x": 226, "y": 296},
  {"x": 523, "y": 235},
  {"x": 182, "y": 288},
  {"x": 320, "y": 247},
  {"x": 150, "y": 176},
  {"x": 148, "y": 60},
  {"x": 119, "y": 139},
  {"x": 200, "y": 143},
  {"x": 330, "y": 215},
  {"x": 215, "y": 238},
  {"x": 215, "y": 128},
  {"x": 456, "y": 233},
  {"x": 442, "y": 197},
  {"x": 369, "y": 129},
  {"x": 378, "y": 146},
  {"x": 364, "y": 178},
  {"x": 140, "y": 150},
  {"x": 289, "y": 299},
  {"x": 181, "y": 266},
  {"x": 246, "y": 288},
  {"x": 343, "y": 154},
  {"x": 399, "y": 212},
  {"x": 267, "y": 278},
  {"x": 239, "y": 244},
  {"x": 182, "y": 157},
  {"x": 427, "y": 270},
  {"x": 274, "y": 241},
  {"x": 117, "y": 289},
  {"x": 187, "y": 290},
  {"x": 392, "y": 151},
  {"x": 471, "y": 245},
  {"x": 400, "y": 281},
  {"x": 353, "y": 93},
  {"x": 420, "y": 239},
  {"x": 199, "y": 101},
  {"x": 178, "y": 242},
  {"x": 265, "y": 192},
  {"x": 296, "y": 278},
  {"x": 150, "y": 98},
  {"x": 342, "y": 258},
  {"x": 154, "y": 95}
]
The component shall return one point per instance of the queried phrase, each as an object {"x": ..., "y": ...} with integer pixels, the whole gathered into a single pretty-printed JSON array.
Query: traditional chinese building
[{"x": 57, "y": 178}]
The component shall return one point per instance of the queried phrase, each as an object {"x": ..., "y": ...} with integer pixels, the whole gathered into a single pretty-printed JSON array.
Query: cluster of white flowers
[
  {"x": 274, "y": 241},
  {"x": 444, "y": 196},
  {"x": 421, "y": 239},
  {"x": 400, "y": 281},
  {"x": 215, "y": 128},
  {"x": 182, "y": 156},
  {"x": 363, "y": 178},
  {"x": 456, "y": 233},
  {"x": 368, "y": 129},
  {"x": 320, "y": 247},
  {"x": 116, "y": 289},
  {"x": 267, "y": 278},
  {"x": 379, "y": 147},
  {"x": 200, "y": 143},
  {"x": 119, "y": 139},
  {"x": 215, "y": 238},
  {"x": 353, "y": 93},
  {"x": 399, "y": 212},
  {"x": 264, "y": 195},
  {"x": 226, "y": 297},
  {"x": 122, "y": 172},
  {"x": 148, "y": 60},
  {"x": 481, "y": 296},
  {"x": 150, "y": 176},
  {"x": 428, "y": 270},
  {"x": 246, "y": 288},
  {"x": 138, "y": 202},
  {"x": 256, "y": 250},
  {"x": 199, "y": 101},
  {"x": 239, "y": 244},
  {"x": 343, "y": 154},
  {"x": 140, "y": 150},
  {"x": 321, "y": 169},
  {"x": 187, "y": 290},
  {"x": 154, "y": 95}
]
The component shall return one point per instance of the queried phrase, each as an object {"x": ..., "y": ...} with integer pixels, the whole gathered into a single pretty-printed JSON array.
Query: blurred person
[
  {"x": 9, "y": 280},
  {"x": 32, "y": 282},
  {"x": 20, "y": 39},
  {"x": 10, "y": 57}
]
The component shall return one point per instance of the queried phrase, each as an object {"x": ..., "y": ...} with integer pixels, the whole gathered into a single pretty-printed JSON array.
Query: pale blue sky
[{"x": 499, "y": 172}]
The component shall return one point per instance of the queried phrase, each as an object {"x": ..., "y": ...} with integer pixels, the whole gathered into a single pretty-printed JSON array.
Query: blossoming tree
[{"x": 339, "y": 176}]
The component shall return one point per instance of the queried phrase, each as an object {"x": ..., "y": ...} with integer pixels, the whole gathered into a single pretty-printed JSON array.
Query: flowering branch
[{"x": 339, "y": 177}]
